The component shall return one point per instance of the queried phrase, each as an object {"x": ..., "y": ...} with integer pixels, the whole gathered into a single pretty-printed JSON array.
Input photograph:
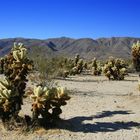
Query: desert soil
[{"x": 98, "y": 110}]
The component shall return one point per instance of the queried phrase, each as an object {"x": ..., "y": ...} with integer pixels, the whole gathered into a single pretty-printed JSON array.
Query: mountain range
[{"x": 88, "y": 48}]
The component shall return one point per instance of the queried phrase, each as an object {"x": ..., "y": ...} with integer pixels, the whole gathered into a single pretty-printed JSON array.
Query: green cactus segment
[
  {"x": 46, "y": 99},
  {"x": 115, "y": 69},
  {"x": 136, "y": 55},
  {"x": 5, "y": 91},
  {"x": 4, "y": 84},
  {"x": 7, "y": 96},
  {"x": 19, "y": 52}
]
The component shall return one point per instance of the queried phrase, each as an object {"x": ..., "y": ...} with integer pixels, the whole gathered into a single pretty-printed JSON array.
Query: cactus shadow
[
  {"x": 78, "y": 124},
  {"x": 112, "y": 113}
]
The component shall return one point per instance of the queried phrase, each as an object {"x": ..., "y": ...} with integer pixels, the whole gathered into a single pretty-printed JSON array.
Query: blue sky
[{"x": 71, "y": 18}]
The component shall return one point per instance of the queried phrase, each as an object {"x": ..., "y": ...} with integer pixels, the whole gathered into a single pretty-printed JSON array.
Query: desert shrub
[
  {"x": 115, "y": 69},
  {"x": 63, "y": 65},
  {"x": 50, "y": 67},
  {"x": 59, "y": 66},
  {"x": 45, "y": 66}
]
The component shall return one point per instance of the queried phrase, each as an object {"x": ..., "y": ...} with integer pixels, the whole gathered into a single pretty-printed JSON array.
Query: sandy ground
[{"x": 98, "y": 110}]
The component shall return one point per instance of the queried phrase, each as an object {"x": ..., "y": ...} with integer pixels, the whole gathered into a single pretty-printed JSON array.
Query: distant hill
[{"x": 88, "y": 48}]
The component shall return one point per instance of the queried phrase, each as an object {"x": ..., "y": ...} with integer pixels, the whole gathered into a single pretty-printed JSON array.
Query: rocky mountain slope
[{"x": 88, "y": 48}]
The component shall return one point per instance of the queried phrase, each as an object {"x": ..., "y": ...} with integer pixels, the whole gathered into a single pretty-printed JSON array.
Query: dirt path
[{"x": 98, "y": 110}]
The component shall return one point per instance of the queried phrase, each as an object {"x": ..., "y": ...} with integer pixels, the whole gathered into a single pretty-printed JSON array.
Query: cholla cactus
[
  {"x": 77, "y": 66},
  {"x": 136, "y": 55},
  {"x": 96, "y": 68},
  {"x": 71, "y": 66},
  {"x": 136, "y": 58},
  {"x": 46, "y": 99},
  {"x": 15, "y": 66},
  {"x": 77, "y": 57},
  {"x": 115, "y": 69},
  {"x": 80, "y": 66}
]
